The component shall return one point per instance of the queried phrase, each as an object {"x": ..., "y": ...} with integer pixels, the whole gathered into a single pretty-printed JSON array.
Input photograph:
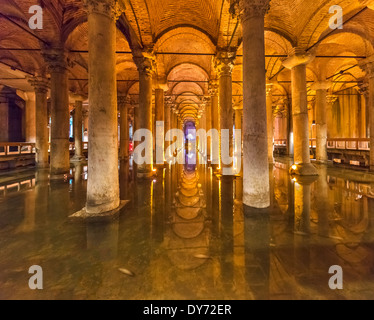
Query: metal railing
[
  {"x": 358, "y": 144},
  {"x": 16, "y": 148}
]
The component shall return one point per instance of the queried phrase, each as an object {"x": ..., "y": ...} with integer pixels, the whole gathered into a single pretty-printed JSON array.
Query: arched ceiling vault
[{"x": 185, "y": 35}]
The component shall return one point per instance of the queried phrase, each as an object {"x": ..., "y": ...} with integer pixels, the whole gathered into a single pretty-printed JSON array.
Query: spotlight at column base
[{"x": 303, "y": 169}]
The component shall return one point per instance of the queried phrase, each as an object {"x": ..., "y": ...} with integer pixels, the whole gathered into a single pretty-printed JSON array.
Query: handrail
[
  {"x": 16, "y": 148},
  {"x": 360, "y": 144}
]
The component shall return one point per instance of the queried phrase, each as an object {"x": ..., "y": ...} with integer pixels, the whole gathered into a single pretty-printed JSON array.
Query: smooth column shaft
[
  {"x": 60, "y": 156},
  {"x": 103, "y": 176},
  {"x": 41, "y": 123},
  {"x": 321, "y": 122},
  {"x": 256, "y": 189}
]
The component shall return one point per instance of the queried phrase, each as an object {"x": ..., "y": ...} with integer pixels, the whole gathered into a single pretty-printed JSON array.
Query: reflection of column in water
[
  {"x": 215, "y": 205},
  {"x": 28, "y": 222},
  {"x": 124, "y": 180},
  {"x": 239, "y": 189},
  {"x": 322, "y": 202},
  {"x": 41, "y": 195},
  {"x": 102, "y": 240},
  {"x": 302, "y": 248},
  {"x": 302, "y": 205},
  {"x": 227, "y": 244},
  {"x": 257, "y": 251},
  {"x": 238, "y": 239},
  {"x": 158, "y": 207}
]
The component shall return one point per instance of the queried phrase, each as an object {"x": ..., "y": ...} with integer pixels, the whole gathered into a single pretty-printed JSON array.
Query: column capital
[
  {"x": 224, "y": 63},
  {"x": 297, "y": 57},
  {"x": 364, "y": 88},
  {"x": 367, "y": 65},
  {"x": 40, "y": 85},
  {"x": 109, "y": 8},
  {"x": 122, "y": 101},
  {"x": 321, "y": 85},
  {"x": 56, "y": 59},
  {"x": 247, "y": 9},
  {"x": 213, "y": 87},
  {"x": 331, "y": 99},
  {"x": 146, "y": 63},
  {"x": 269, "y": 89}
]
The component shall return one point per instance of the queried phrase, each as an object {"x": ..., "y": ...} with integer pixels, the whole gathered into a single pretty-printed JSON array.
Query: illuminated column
[
  {"x": 368, "y": 66},
  {"x": 321, "y": 88},
  {"x": 145, "y": 66},
  {"x": 41, "y": 121},
  {"x": 103, "y": 176},
  {"x": 363, "y": 89},
  {"x": 256, "y": 189},
  {"x": 30, "y": 117},
  {"x": 124, "y": 128},
  {"x": 224, "y": 64},
  {"x": 60, "y": 155},
  {"x": 297, "y": 64},
  {"x": 238, "y": 126},
  {"x": 270, "y": 124},
  {"x": 213, "y": 91},
  {"x": 208, "y": 116},
  {"x": 160, "y": 117},
  {"x": 78, "y": 132},
  {"x": 167, "y": 114}
]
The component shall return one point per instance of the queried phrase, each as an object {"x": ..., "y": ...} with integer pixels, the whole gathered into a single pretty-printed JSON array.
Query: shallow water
[{"x": 185, "y": 235}]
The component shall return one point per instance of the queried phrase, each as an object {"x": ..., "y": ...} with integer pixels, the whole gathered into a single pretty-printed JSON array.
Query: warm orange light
[{"x": 294, "y": 167}]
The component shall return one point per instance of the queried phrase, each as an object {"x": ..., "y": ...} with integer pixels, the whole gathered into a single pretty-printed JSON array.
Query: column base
[
  {"x": 303, "y": 169},
  {"x": 42, "y": 165},
  {"x": 145, "y": 175},
  {"x": 258, "y": 201},
  {"x": 78, "y": 159},
  {"x": 59, "y": 176},
  {"x": 322, "y": 161},
  {"x": 84, "y": 216}
]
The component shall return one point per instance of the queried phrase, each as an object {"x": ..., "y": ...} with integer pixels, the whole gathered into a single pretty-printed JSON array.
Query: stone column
[
  {"x": 41, "y": 121},
  {"x": 78, "y": 131},
  {"x": 167, "y": 113},
  {"x": 224, "y": 64},
  {"x": 321, "y": 88},
  {"x": 238, "y": 109},
  {"x": 124, "y": 128},
  {"x": 103, "y": 176},
  {"x": 208, "y": 116},
  {"x": 297, "y": 64},
  {"x": 30, "y": 117},
  {"x": 368, "y": 66},
  {"x": 145, "y": 66},
  {"x": 270, "y": 122},
  {"x": 160, "y": 117},
  {"x": 213, "y": 91},
  {"x": 256, "y": 189},
  {"x": 364, "y": 90},
  {"x": 60, "y": 155}
]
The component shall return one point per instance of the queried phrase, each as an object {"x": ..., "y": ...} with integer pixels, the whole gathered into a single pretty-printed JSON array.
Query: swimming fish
[{"x": 126, "y": 272}]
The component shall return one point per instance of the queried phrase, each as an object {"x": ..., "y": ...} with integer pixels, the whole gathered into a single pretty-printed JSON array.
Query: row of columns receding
[{"x": 255, "y": 118}]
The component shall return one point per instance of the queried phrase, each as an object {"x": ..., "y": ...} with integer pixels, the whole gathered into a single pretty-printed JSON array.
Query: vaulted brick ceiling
[{"x": 194, "y": 26}]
